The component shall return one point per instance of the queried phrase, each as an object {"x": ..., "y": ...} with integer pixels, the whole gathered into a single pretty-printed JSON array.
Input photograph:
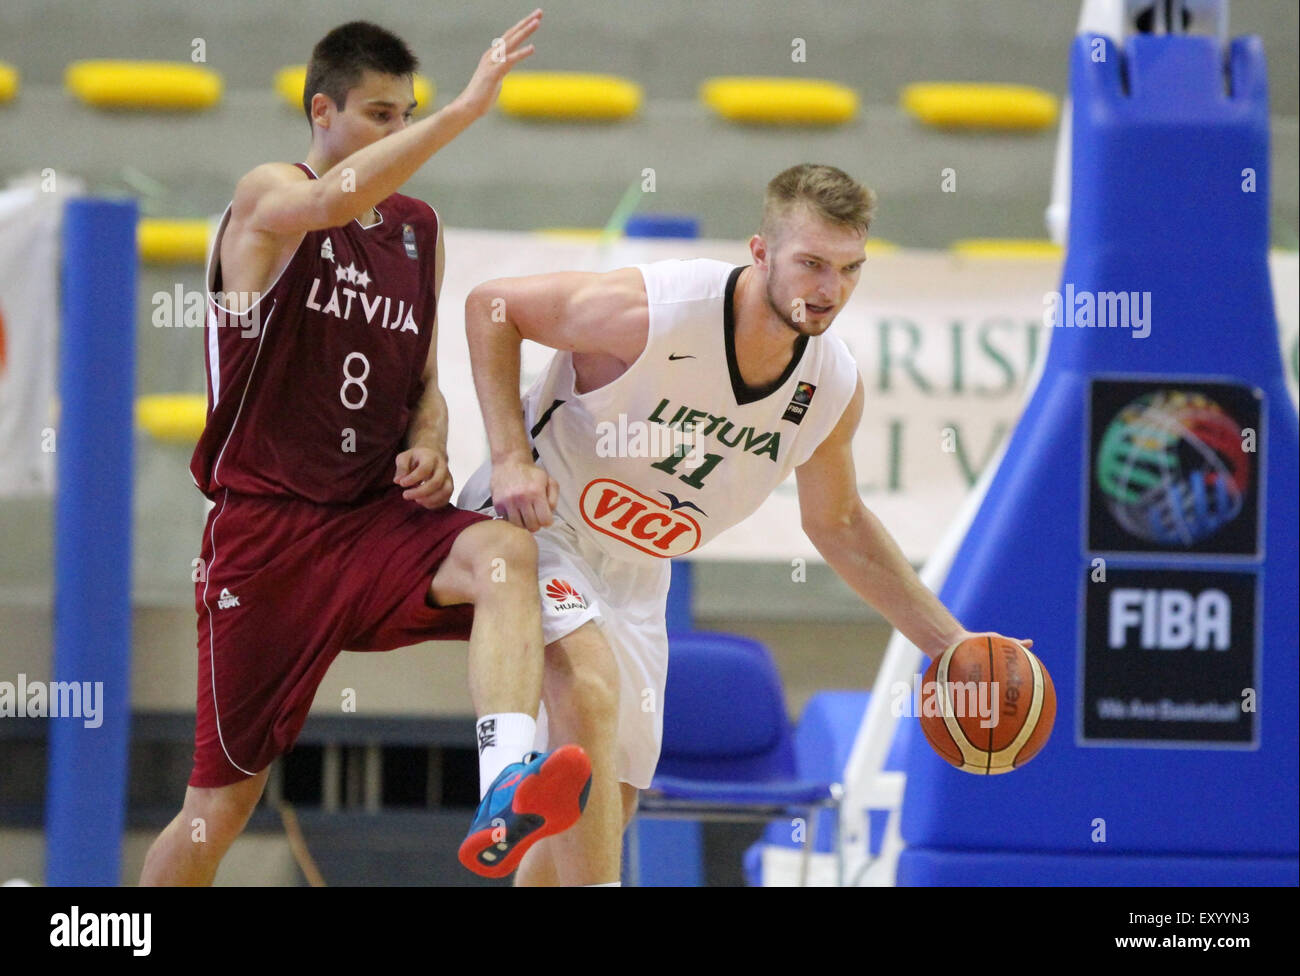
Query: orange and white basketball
[{"x": 993, "y": 705}]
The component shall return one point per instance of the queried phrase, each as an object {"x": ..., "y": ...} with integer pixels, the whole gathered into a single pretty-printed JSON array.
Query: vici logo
[{"x": 644, "y": 523}]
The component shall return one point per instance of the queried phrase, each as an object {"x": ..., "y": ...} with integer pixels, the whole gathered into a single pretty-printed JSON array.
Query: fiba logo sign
[
  {"x": 1167, "y": 654},
  {"x": 1173, "y": 468}
]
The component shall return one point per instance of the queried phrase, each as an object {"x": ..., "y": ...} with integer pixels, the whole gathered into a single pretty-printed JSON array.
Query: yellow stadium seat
[
  {"x": 780, "y": 101},
  {"x": 876, "y": 246},
  {"x": 980, "y": 106},
  {"x": 568, "y": 95},
  {"x": 170, "y": 85},
  {"x": 173, "y": 417},
  {"x": 290, "y": 81},
  {"x": 1008, "y": 247},
  {"x": 8, "y": 81},
  {"x": 172, "y": 241},
  {"x": 591, "y": 235}
]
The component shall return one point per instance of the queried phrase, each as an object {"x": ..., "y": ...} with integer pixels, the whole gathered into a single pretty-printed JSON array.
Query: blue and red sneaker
[{"x": 541, "y": 796}]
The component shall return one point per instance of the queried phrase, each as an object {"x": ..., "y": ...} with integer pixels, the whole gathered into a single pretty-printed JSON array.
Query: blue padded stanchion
[
  {"x": 1142, "y": 528},
  {"x": 86, "y": 787},
  {"x": 662, "y": 225}
]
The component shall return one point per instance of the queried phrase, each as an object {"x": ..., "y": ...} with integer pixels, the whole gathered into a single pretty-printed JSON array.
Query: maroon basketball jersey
[{"x": 310, "y": 392}]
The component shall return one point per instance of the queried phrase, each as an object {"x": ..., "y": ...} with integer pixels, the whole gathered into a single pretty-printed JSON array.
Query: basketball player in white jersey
[{"x": 729, "y": 380}]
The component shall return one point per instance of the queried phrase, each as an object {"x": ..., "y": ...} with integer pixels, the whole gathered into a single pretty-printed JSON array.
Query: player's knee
[
  {"x": 215, "y": 817},
  {"x": 486, "y": 557},
  {"x": 517, "y": 548},
  {"x": 218, "y": 823},
  {"x": 502, "y": 552}
]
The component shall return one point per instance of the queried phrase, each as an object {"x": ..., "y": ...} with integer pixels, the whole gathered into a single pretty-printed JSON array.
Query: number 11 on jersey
[{"x": 696, "y": 477}]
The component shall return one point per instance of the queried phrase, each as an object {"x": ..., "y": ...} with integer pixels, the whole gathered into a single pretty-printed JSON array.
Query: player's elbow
[
  {"x": 327, "y": 205},
  {"x": 485, "y": 307},
  {"x": 818, "y": 534},
  {"x": 291, "y": 209},
  {"x": 830, "y": 530}
]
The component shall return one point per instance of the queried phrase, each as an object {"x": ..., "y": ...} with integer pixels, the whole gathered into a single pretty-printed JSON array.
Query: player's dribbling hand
[
  {"x": 423, "y": 472},
  {"x": 496, "y": 63},
  {"x": 966, "y": 635},
  {"x": 523, "y": 493}
]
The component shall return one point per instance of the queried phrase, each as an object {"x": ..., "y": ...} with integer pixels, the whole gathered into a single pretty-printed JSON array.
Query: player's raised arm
[
  {"x": 580, "y": 312},
  {"x": 270, "y": 199}
]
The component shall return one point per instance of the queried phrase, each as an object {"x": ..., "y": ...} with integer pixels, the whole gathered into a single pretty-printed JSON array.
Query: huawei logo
[{"x": 565, "y": 596}]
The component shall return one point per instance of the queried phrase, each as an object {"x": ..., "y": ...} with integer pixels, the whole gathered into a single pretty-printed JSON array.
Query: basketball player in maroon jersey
[{"x": 324, "y": 455}]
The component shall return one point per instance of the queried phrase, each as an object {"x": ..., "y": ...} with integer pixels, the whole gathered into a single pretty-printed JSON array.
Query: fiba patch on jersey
[
  {"x": 408, "y": 241},
  {"x": 803, "y": 394}
]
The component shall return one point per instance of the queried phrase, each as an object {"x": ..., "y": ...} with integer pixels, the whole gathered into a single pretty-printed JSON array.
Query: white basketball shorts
[{"x": 628, "y": 601}]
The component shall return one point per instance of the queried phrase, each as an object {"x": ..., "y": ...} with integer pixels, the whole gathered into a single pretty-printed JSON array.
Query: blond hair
[{"x": 828, "y": 192}]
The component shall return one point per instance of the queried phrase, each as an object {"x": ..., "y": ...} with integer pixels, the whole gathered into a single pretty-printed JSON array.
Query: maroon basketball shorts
[{"x": 290, "y": 584}]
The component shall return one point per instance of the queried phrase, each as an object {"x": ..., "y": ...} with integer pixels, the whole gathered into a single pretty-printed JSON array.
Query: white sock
[
  {"x": 503, "y": 739},
  {"x": 606, "y": 884}
]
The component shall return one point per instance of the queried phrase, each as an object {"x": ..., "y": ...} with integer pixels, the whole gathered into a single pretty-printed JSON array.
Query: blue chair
[
  {"x": 823, "y": 742},
  {"x": 728, "y": 751}
]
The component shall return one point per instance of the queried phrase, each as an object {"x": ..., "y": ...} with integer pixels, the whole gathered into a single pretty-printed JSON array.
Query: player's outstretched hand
[
  {"x": 496, "y": 63},
  {"x": 523, "y": 493},
  {"x": 423, "y": 472}
]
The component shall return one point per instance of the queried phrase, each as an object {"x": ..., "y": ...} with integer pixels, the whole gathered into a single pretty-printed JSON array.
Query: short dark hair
[
  {"x": 340, "y": 57},
  {"x": 828, "y": 192}
]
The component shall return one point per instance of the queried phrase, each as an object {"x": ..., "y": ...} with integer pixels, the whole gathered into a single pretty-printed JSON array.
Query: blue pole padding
[
  {"x": 680, "y": 615},
  {"x": 662, "y": 225},
  {"x": 86, "y": 782}
]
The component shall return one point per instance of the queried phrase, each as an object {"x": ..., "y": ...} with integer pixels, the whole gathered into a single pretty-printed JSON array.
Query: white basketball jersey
[{"x": 657, "y": 462}]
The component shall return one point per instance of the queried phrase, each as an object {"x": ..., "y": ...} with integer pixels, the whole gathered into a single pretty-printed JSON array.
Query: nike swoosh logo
[{"x": 673, "y": 356}]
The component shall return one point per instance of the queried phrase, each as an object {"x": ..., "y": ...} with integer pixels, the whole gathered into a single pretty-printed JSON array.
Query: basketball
[{"x": 988, "y": 705}]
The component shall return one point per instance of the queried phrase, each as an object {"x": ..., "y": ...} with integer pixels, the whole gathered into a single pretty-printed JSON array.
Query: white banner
[
  {"x": 29, "y": 316},
  {"x": 945, "y": 344}
]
